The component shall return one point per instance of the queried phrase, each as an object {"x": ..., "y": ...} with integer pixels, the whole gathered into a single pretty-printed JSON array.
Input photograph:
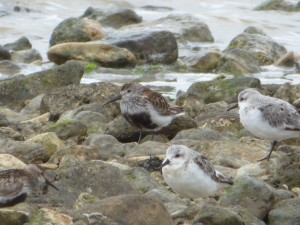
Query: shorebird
[
  {"x": 190, "y": 174},
  {"x": 17, "y": 184},
  {"x": 145, "y": 109},
  {"x": 268, "y": 118}
]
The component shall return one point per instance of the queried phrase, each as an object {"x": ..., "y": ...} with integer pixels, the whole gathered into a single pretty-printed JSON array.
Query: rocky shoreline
[{"x": 90, "y": 151}]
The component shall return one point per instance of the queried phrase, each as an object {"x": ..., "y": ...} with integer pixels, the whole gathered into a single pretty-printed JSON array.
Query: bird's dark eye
[
  {"x": 242, "y": 99},
  {"x": 128, "y": 90},
  {"x": 177, "y": 156}
]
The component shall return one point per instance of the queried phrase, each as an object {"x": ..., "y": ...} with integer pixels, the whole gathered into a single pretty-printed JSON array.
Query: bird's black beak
[
  {"x": 50, "y": 184},
  {"x": 112, "y": 100},
  {"x": 164, "y": 163},
  {"x": 233, "y": 106}
]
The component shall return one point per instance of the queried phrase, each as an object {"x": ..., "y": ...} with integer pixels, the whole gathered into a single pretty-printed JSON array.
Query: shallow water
[{"x": 226, "y": 19}]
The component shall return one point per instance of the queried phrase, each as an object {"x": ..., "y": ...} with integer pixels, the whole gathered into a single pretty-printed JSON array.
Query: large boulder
[
  {"x": 201, "y": 93},
  {"x": 238, "y": 61},
  {"x": 185, "y": 28},
  {"x": 26, "y": 56},
  {"x": 285, "y": 212},
  {"x": 264, "y": 49},
  {"x": 25, "y": 87},
  {"x": 278, "y": 5},
  {"x": 103, "y": 54},
  {"x": 115, "y": 18},
  {"x": 254, "y": 195},
  {"x": 83, "y": 97},
  {"x": 129, "y": 209},
  {"x": 27, "y": 152},
  {"x": 76, "y": 30},
  {"x": 21, "y": 44},
  {"x": 9, "y": 68},
  {"x": 75, "y": 177},
  {"x": 4, "y": 54},
  {"x": 148, "y": 46}
]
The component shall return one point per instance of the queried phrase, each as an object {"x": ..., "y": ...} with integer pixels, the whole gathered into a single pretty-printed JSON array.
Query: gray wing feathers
[
  {"x": 281, "y": 114},
  {"x": 208, "y": 168}
]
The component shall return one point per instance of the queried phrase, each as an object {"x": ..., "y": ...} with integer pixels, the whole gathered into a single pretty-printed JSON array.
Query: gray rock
[
  {"x": 26, "y": 56},
  {"x": 205, "y": 61},
  {"x": 89, "y": 96},
  {"x": 254, "y": 30},
  {"x": 103, "y": 54},
  {"x": 172, "y": 202},
  {"x": 66, "y": 128},
  {"x": 21, "y": 44},
  {"x": 148, "y": 148},
  {"x": 287, "y": 92},
  {"x": 264, "y": 49},
  {"x": 115, "y": 18},
  {"x": 200, "y": 93},
  {"x": 148, "y": 46},
  {"x": 8, "y": 67},
  {"x": 27, "y": 152},
  {"x": 217, "y": 215},
  {"x": 285, "y": 212},
  {"x": 140, "y": 180},
  {"x": 9, "y": 133},
  {"x": 238, "y": 61},
  {"x": 4, "y": 54},
  {"x": 130, "y": 209},
  {"x": 77, "y": 176},
  {"x": 108, "y": 146},
  {"x": 278, "y": 5},
  {"x": 22, "y": 88},
  {"x": 185, "y": 27},
  {"x": 286, "y": 166},
  {"x": 254, "y": 195},
  {"x": 198, "y": 134},
  {"x": 76, "y": 30}
]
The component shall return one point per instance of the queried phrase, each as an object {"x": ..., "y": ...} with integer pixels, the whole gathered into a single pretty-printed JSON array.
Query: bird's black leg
[
  {"x": 140, "y": 137},
  {"x": 267, "y": 157}
]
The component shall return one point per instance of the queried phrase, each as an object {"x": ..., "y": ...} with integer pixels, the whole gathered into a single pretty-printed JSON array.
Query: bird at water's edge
[{"x": 144, "y": 108}]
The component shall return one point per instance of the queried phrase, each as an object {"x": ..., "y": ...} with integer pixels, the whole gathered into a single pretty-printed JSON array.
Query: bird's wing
[
  {"x": 159, "y": 103},
  {"x": 281, "y": 114},
  {"x": 206, "y": 166},
  {"x": 10, "y": 183}
]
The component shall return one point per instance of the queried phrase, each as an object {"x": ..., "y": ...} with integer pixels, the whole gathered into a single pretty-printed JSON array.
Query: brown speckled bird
[
  {"x": 145, "y": 109},
  {"x": 17, "y": 184}
]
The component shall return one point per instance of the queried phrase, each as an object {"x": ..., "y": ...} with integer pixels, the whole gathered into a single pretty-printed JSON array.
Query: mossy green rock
[
  {"x": 50, "y": 141},
  {"x": 21, "y": 88},
  {"x": 216, "y": 215},
  {"x": 254, "y": 195},
  {"x": 264, "y": 49},
  {"x": 13, "y": 217},
  {"x": 201, "y": 93},
  {"x": 66, "y": 128},
  {"x": 285, "y": 212},
  {"x": 278, "y": 5},
  {"x": 238, "y": 62}
]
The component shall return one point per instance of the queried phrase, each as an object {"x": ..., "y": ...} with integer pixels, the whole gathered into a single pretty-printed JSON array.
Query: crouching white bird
[{"x": 190, "y": 174}]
